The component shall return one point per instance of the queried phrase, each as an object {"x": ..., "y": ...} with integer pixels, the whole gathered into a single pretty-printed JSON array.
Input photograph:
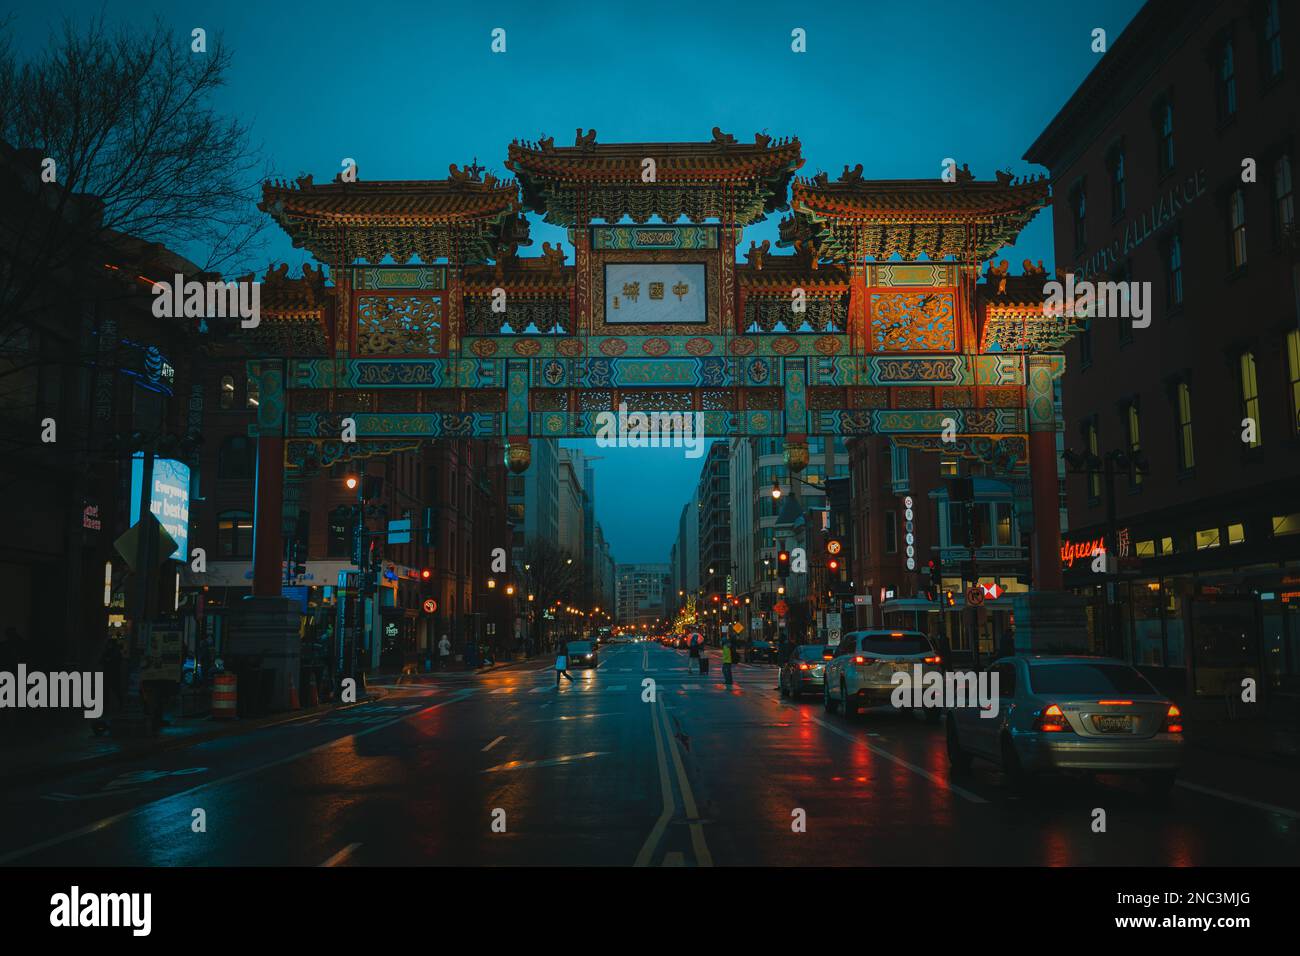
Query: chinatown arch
[{"x": 897, "y": 333}]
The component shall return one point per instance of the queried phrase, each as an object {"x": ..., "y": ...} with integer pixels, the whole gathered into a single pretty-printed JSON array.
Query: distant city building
[{"x": 640, "y": 593}]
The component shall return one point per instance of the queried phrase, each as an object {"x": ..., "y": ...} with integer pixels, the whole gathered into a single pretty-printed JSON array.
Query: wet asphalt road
[{"x": 504, "y": 769}]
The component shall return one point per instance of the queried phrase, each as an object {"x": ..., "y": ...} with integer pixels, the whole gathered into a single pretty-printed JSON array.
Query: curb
[{"x": 33, "y": 773}]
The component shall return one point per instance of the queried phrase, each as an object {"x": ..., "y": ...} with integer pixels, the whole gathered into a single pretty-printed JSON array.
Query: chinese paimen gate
[{"x": 874, "y": 322}]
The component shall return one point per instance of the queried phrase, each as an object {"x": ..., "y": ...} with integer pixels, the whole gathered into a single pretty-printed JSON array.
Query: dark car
[
  {"x": 805, "y": 670},
  {"x": 582, "y": 654},
  {"x": 761, "y": 651}
]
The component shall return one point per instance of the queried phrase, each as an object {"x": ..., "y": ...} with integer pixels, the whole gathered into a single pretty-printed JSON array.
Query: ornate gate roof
[
  {"x": 733, "y": 181},
  {"x": 459, "y": 218}
]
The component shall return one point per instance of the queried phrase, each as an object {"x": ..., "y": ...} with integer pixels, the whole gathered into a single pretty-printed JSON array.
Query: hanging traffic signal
[
  {"x": 426, "y": 574},
  {"x": 833, "y": 564},
  {"x": 783, "y": 563}
]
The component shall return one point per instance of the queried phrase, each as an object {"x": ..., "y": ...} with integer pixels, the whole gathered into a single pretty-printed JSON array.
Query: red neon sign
[{"x": 1071, "y": 551}]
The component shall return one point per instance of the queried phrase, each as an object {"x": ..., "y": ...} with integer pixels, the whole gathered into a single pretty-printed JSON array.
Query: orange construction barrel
[{"x": 224, "y": 697}]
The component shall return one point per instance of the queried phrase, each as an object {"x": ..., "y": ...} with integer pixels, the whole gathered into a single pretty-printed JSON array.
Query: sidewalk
[
  {"x": 1275, "y": 739},
  {"x": 55, "y": 752}
]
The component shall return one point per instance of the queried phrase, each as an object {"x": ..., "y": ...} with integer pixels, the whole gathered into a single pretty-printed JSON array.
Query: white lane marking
[
  {"x": 239, "y": 775},
  {"x": 702, "y": 855},
  {"x": 542, "y": 688},
  {"x": 666, "y": 792},
  {"x": 882, "y": 752},
  {"x": 493, "y": 744},
  {"x": 551, "y": 762},
  {"x": 341, "y": 855},
  {"x": 1244, "y": 801}
]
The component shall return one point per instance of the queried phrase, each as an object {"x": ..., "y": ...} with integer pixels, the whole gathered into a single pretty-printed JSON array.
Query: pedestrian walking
[
  {"x": 562, "y": 666},
  {"x": 693, "y": 660},
  {"x": 444, "y": 653},
  {"x": 727, "y": 655}
]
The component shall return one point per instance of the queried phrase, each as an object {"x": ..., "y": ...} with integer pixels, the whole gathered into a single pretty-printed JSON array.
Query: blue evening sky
[{"x": 407, "y": 88}]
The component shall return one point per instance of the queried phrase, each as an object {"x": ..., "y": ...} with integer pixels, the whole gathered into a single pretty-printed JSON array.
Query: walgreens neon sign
[{"x": 1071, "y": 551}]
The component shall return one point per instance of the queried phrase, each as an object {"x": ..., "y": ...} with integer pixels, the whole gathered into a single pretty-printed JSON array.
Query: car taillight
[
  {"x": 1173, "y": 721},
  {"x": 1052, "y": 720},
  {"x": 935, "y": 659},
  {"x": 803, "y": 667}
]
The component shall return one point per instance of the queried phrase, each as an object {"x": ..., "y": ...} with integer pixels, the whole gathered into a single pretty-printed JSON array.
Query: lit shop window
[{"x": 1286, "y": 524}]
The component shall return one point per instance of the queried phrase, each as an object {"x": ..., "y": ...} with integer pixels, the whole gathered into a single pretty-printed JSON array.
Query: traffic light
[
  {"x": 426, "y": 574},
  {"x": 783, "y": 563},
  {"x": 833, "y": 565},
  {"x": 930, "y": 580},
  {"x": 948, "y": 599}
]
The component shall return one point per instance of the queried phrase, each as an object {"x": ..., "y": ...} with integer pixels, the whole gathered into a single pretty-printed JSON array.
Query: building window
[
  {"x": 1091, "y": 442},
  {"x": 1283, "y": 197},
  {"x": 1250, "y": 396},
  {"x": 1225, "y": 87},
  {"x": 1165, "y": 125},
  {"x": 1293, "y": 377},
  {"x": 1145, "y": 549},
  {"x": 1236, "y": 533},
  {"x": 235, "y": 534},
  {"x": 251, "y": 393},
  {"x": 1237, "y": 228},
  {"x": 1118, "y": 184},
  {"x": 227, "y": 396},
  {"x": 1133, "y": 428},
  {"x": 1272, "y": 40},
  {"x": 1209, "y": 538},
  {"x": 1286, "y": 524},
  {"x": 1004, "y": 523},
  {"x": 1085, "y": 347},
  {"x": 236, "y": 459},
  {"x": 1174, "y": 271},
  {"x": 948, "y": 468},
  {"x": 1079, "y": 207},
  {"x": 1186, "y": 449},
  {"x": 891, "y": 532},
  {"x": 1124, "y": 325},
  {"x": 1166, "y": 545}
]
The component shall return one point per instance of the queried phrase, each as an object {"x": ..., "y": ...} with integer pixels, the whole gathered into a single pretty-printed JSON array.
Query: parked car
[
  {"x": 761, "y": 651},
  {"x": 805, "y": 670},
  {"x": 1094, "y": 714},
  {"x": 861, "y": 673},
  {"x": 582, "y": 654}
]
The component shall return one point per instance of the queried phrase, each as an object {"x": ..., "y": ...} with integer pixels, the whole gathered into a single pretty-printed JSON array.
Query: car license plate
[{"x": 1113, "y": 723}]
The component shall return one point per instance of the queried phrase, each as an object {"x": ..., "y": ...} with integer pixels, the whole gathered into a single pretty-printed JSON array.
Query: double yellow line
[{"x": 664, "y": 740}]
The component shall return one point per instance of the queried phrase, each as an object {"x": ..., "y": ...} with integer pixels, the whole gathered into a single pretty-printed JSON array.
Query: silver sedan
[{"x": 1071, "y": 713}]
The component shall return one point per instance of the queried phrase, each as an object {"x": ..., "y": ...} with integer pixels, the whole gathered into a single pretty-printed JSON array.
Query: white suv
[{"x": 861, "y": 673}]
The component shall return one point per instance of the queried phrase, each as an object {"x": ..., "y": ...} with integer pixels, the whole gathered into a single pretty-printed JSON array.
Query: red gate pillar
[
  {"x": 1040, "y": 372},
  {"x": 268, "y": 517}
]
